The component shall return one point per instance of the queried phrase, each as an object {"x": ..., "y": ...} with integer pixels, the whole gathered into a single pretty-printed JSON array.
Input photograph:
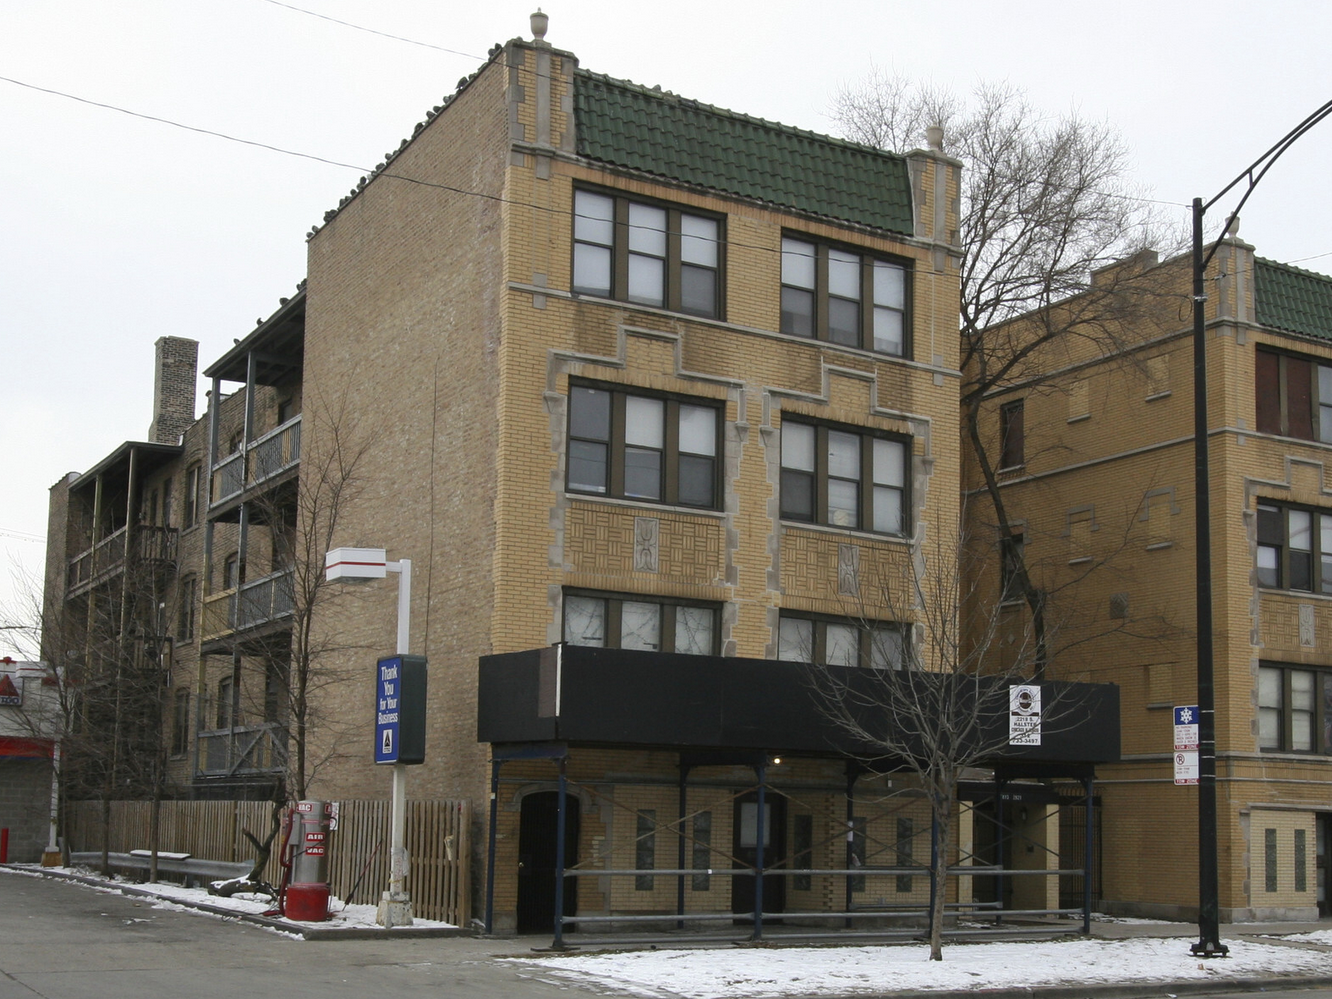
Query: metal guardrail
[
  {"x": 257, "y": 461},
  {"x": 260, "y": 601}
]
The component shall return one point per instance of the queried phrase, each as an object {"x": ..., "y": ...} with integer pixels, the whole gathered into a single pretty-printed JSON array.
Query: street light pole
[{"x": 1209, "y": 943}]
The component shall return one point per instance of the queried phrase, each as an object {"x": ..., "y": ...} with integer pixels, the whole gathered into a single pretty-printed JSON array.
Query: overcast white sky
[{"x": 117, "y": 230}]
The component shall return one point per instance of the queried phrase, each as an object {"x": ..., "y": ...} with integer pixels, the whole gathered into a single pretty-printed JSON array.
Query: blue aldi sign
[{"x": 400, "y": 709}]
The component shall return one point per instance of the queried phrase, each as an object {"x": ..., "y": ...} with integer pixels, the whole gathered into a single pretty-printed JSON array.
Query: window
[
  {"x": 1011, "y": 435},
  {"x": 231, "y": 571},
  {"x": 644, "y": 623},
  {"x": 642, "y": 447},
  {"x": 1292, "y": 396},
  {"x": 646, "y": 254},
  {"x": 807, "y": 638},
  {"x": 701, "y": 854},
  {"x": 192, "y": 484},
  {"x": 645, "y": 848},
  {"x": 1294, "y": 709},
  {"x": 286, "y": 410},
  {"x": 186, "y": 619},
  {"x": 225, "y": 694},
  {"x": 1011, "y": 551},
  {"x": 843, "y": 297},
  {"x": 180, "y": 729},
  {"x": 843, "y": 478},
  {"x": 167, "y": 501},
  {"x": 905, "y": 836},
  {"x": 1294, "y": 548}
]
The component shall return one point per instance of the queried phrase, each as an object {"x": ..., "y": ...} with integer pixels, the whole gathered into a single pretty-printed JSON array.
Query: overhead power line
[{"x": 373, "y": 31}]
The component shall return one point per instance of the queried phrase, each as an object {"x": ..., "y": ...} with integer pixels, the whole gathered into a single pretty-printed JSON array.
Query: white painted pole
[{"x": 396, "y": 907}]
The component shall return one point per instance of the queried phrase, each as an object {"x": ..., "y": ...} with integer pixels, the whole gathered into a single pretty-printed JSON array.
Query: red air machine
[{"x": 305, "y": 857}]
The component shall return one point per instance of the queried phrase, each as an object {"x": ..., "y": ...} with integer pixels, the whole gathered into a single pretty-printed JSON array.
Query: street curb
[
  {"x": 1136, "y": 990},
  {"x": 305, "y": 931}
]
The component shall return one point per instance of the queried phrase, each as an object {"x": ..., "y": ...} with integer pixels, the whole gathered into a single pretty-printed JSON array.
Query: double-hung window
[
  {"x": 805, "y": 638},
  {"x": 843, "y": 297},
  {"x": 649, "y": 624},
  {"x": 647, "y": 254},
  {"x": 1293, "y": 709},
  {"x": 843, "y": 478},
  {"x": 1292, "y": 396},
  {"x": 643, "y": 447},
  {"x": 1294, "y": 548}
]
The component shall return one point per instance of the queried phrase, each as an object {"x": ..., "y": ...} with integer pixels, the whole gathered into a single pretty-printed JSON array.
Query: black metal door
[
  {"x": 745, "y": 849},
  {"x": 537, "y": 827}
]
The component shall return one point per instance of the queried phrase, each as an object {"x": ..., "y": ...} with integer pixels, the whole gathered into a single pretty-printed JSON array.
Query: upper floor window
[
  {"x": 649, "y": 624},
  {"x": 1293, "y": 396},
  {"x": 643, "y": 447},
  {"x": 188, "y": 594},
  {"x": 1294, "y": 548},
  {"x": 843, "y": 297},
  {"x": 1292, "y": 707},
  {"x": 192, "y": 485},
  {"x": 1012, "y": 551},
  {"x": 180, "y": 729},
  {"x": 809, "y": 638},
  {"x": 843, "y": 478},
  {"x": 1012, "y": 434},
  {"x": 646, "y": 254}
]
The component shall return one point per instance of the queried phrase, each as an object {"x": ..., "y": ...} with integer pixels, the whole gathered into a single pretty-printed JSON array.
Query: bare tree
[
  {"x": 944, "y": 709},
  {"x": 1045, "y": 205},
  {"x": 291, "y": 677}
]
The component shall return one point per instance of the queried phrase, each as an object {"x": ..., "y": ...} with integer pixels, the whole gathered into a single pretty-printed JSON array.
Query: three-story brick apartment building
[{"x": 1101, "y": 474}]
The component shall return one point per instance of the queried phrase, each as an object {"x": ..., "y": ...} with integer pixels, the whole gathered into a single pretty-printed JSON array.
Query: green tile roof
[
  {"x": 1292, "y": 299},
  {"x": 626, "y": 125}
]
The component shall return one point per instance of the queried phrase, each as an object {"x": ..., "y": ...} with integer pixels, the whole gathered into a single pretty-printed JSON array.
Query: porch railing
[
  {"x": 262, "y": 459},
  {"x": 257, "y": 602}
]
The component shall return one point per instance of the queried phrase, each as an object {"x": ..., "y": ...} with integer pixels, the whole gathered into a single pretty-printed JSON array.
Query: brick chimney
[{"x": 174, "y": 376}]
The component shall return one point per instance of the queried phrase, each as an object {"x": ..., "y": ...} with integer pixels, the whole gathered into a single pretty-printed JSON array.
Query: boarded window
[{"x": 1270, "y": 859}]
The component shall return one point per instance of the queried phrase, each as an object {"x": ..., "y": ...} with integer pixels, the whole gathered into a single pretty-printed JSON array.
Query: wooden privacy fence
[{"x": 438, "y": 844}]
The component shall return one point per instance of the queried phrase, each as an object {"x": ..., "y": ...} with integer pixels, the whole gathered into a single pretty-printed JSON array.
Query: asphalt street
[{"x": 60, "y": 940}]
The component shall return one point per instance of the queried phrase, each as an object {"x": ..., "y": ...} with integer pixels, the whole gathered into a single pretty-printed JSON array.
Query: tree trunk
[
  {"x": 942, "y": 809},
  {"x": 1034, "y": 598}
]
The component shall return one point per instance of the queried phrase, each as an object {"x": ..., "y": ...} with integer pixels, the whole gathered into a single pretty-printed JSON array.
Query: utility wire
[{"x": 372, "y": 31}]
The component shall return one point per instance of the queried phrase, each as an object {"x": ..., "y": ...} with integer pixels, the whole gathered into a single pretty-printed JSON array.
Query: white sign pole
[{"x": 395, "y": 906}]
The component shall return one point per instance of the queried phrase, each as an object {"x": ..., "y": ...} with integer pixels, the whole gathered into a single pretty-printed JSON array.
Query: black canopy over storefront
[{"x": 712, "y": 710}]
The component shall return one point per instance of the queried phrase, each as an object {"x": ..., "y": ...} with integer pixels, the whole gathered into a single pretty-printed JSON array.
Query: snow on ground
[
  {"x": 743, "y": 973},
  {"x": 1317, "y": 937},
  {"x": 340, "y": 914}
]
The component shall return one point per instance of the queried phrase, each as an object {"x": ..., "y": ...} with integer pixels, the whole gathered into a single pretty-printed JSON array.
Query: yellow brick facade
[
  {"x": 1105, "y": 501},
  {"x": 444, "y": 327}
]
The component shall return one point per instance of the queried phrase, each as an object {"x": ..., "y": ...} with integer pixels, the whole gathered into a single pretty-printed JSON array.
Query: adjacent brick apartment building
[
  {"x": 652, "y": 394},
  {"x": 1101, "y": 474}
]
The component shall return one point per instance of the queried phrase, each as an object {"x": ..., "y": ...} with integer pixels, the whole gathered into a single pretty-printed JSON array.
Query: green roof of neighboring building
[
  {"x": 1292, "y": 299},
  {"x": 659, "y": 133}
]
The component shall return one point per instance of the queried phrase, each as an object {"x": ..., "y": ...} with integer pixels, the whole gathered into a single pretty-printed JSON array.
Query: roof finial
[
  {"x": 934, "y": 135},
  {"x": 540, "y": 22},
  {"x": 1233, "y": 228}
]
